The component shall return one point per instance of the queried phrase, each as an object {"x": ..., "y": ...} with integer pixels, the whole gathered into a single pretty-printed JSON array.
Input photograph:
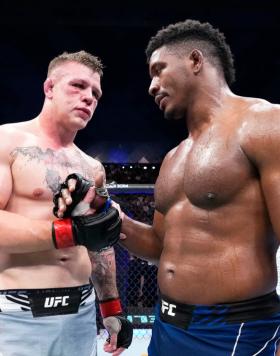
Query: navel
[{"x": 170, "y": 272}]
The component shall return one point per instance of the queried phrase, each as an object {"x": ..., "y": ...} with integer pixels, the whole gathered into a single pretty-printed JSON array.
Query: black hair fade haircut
[{"x": 210, "y": 41}]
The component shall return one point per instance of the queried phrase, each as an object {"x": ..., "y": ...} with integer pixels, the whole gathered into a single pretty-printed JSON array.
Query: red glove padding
[
  {"x": 96, "y": 232},
  {"x": 110, "y": 311}
]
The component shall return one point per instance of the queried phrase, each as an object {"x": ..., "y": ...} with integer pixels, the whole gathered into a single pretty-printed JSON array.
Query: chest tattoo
[
  {"x": 53, "y": 180},
  {"x": 57, "y": 163},
  {"x": 48, "y": 156}
]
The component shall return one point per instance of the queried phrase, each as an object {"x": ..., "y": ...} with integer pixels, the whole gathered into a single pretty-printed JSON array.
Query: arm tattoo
[{"x": 104, "y": 274}]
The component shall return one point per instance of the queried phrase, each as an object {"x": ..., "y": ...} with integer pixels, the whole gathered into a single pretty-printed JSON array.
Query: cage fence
[{"x": 136, "y": 278}]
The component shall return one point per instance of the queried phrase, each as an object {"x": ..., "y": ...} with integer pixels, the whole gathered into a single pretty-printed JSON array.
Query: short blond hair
[{"x": 83, "y": 57}]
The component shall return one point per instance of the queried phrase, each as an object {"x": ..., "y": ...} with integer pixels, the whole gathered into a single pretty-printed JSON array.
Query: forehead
[
  {"x": 74, "y": 70},
  {"x": 162, "y": 55},
  {"x": 158, "y": 55}
]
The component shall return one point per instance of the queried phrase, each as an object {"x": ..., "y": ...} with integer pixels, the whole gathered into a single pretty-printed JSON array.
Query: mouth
[
  {"x": 86, "y": 111},
  {"x": 159, "y": 98}
]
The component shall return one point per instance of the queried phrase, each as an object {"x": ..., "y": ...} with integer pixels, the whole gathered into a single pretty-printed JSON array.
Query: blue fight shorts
[
  {"x": 247, "y": 328},
  {"x": 48, "y": 322}
]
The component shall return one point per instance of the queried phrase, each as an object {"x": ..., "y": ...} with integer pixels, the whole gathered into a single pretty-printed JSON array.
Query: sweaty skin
[
  {"x": 218, "y": 237},
  {"x": 217, "y": 195}
]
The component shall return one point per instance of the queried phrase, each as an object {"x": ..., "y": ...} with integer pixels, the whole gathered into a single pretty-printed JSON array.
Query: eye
[
  {"x": 78, "y": 85},
  {"x": 156, "y": 71},
  {"x": 159, "y": 69},
  {"x": 96, "y": 94}
]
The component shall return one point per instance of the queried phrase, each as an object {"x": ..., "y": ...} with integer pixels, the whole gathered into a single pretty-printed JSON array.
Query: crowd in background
[
  {"x": 136, "y": 278},
  {"x": 132, "y": 173}
]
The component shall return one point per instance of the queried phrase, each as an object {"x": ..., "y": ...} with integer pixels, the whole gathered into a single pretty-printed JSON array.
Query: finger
[
  {"x": 117, "y": 206},
  {"x": 122, "y": 236},
  {"x": 61, "y": 207},
  {"x": 66, "y": 196},
  {"x": 112, "y": 344},
  {"x": 119, "y": 351},
  {"x": 89, "y": 197},
  {"x": 108, "y": 348},
  {"x": 113, "y": 341},
  {"x": 72, "y": 184}
]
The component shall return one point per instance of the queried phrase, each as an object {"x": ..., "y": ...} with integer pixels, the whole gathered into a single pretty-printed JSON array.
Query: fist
[{"x": 79, "y": 196}]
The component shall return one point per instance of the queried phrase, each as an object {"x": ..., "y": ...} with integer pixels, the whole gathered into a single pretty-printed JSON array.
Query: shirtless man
[
  {"x": 216, "y": 226},
  {"x": 47, "y": 304}
]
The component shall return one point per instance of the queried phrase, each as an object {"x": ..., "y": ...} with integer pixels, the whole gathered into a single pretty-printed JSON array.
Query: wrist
[
  {"x": 110, "y": 307},
  {"x": 62, "y": 233}
]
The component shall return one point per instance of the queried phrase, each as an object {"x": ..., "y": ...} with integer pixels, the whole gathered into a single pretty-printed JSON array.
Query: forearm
[
  {"x": 104, "y": 274},
  {"x": 19, "y": 234},
  {"x": 141, "y": 240}
]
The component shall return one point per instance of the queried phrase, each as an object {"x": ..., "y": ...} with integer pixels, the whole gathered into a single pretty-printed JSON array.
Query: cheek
[
  {"x": 94, "y": 104},
  {"x": 70, "y": 95}
]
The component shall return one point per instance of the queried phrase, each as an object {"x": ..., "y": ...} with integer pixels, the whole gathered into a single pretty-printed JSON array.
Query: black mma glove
[
  {"x": 95, "y": 232},
  {"x": 115, "y": 323},
  {"x": 82, "y": 187}
]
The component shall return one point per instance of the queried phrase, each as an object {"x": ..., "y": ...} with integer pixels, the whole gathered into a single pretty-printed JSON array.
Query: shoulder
[
  {"x": 10, "y": 129},
  {"x": 12, "y": 135},
  {"x": 16, "y": 129},
  {"x": 94, "y": 163},
  {"x": 176, "y": 150},
  {"x": 259, "y": 115},
  {"x": 259, "y": 131}
]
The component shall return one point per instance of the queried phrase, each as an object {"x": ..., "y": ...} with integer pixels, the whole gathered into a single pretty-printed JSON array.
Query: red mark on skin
[{"x": 38, "y": 192}]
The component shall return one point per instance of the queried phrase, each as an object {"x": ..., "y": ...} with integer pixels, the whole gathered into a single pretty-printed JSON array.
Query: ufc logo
[
  {"x": 56, "y": 301},
  {"x": 168, "y": 307}
]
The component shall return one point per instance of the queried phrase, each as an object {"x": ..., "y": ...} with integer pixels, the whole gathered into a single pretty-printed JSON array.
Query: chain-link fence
[{"x": 136, "y": 278}]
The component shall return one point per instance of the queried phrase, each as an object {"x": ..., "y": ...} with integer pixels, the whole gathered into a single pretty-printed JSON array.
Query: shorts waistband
[
  {"x": 242, "y": 311},
  {"x": 49, "y": 301}
]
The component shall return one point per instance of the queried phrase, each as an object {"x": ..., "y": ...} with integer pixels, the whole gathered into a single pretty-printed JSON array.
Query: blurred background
[{"x": 127, "y": 125}]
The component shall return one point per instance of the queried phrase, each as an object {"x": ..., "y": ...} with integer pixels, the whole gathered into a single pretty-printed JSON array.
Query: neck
[
  {"x": 208, "y": 102},
  {"x": 57, "y": 135}
]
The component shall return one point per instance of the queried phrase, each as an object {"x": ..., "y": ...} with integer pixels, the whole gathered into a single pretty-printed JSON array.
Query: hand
[
  {"x": 120, "y": 334},
  {"x": 119, "y": 328},
  {"x": 96, "y": 232},
  {"x": 89, "y": 226},
  {"x": 79, "y": 196}
]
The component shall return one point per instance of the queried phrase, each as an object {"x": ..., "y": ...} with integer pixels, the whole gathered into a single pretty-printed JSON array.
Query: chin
[
  {"x": 81, "y": 123},
  {"x": 172, "y": 115}
]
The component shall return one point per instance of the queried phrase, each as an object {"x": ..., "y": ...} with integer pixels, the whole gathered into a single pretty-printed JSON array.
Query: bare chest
[
  {"x": 207, "y": 175},
  {"x": 37, "y": 172}
]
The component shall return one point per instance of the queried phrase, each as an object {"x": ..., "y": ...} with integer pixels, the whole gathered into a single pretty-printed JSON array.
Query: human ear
[
  {"x": 48, "y": 88},
  {"x": 196, "y": 58}
]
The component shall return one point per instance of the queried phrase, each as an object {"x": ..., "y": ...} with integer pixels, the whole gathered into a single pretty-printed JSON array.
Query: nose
[
  {"x": 88, "y": 97},
  {"x": 154, "y": 86}
]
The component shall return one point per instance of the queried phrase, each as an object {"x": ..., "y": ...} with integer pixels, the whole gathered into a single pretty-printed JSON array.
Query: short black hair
[{"x": 203, "y": 36}]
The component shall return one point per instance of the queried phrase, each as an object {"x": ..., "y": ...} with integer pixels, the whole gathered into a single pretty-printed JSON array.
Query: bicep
[
  {"x": 260, "y": 141},
  {"x": 6, "y": 181},
  {"x": 158, "y": 225},
  {"x": 270, "y": 183}
]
